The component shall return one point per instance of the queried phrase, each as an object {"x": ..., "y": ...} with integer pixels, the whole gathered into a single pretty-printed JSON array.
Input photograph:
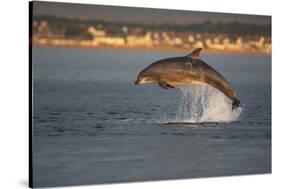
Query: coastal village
[{"x": 94, "y": 36}]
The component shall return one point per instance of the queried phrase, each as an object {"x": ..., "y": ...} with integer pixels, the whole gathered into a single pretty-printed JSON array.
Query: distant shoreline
[{"x": 157, "y": 48}]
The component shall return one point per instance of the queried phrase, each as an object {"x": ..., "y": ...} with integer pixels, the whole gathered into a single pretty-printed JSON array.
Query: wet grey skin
[{"x": 186, "y": 71}]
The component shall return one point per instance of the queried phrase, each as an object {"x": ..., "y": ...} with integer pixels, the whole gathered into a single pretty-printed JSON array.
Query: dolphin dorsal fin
[{"x": 195, "y": 53}]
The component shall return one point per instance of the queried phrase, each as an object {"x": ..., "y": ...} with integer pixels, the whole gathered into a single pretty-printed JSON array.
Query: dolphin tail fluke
[{"x": 236, "y": 103}]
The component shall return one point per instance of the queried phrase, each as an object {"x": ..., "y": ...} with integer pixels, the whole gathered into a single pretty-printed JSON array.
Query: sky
[{"x": 140, "y": 15}]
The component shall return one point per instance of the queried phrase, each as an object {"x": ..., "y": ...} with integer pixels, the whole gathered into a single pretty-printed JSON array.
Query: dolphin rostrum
[{"x": 185, "y": 71}]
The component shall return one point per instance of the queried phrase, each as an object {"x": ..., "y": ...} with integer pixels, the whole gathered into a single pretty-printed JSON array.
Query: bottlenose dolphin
[{"x": 185, "y": 71}]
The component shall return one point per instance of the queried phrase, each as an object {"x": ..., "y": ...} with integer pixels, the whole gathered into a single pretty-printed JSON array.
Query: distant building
[
  {"x": 239, "y": 41},
  {"x": 110, "y": 41},
  {"x": 96, "y": 32},
  {"x": 145, "y": 40},
  {"x": 190, "y": 39},
  {"x": 43, "y": 29},
  {"x": 178, "y": 41},
  {"x": 198, "y": 44},
  {"x": 226, "y": 41}
]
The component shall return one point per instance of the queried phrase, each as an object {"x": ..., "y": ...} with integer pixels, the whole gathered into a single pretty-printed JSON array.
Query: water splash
[{"x": 204, "y": 104}]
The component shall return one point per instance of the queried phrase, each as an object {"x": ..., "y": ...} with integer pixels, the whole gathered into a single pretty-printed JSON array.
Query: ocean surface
[{"x": 92, "y": 125}]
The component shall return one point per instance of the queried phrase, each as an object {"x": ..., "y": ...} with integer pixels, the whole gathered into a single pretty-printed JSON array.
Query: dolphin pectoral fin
[
  {"x": 165, "y": 85},
  {"x": 170, "y": 86}
]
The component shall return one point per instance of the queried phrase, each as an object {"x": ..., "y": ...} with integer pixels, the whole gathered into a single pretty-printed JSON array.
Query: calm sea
[{"x": 92, "y": 125}]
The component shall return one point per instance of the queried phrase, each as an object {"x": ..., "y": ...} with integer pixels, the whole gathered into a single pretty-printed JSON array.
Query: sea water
[{"x": 92, "y": 125}]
